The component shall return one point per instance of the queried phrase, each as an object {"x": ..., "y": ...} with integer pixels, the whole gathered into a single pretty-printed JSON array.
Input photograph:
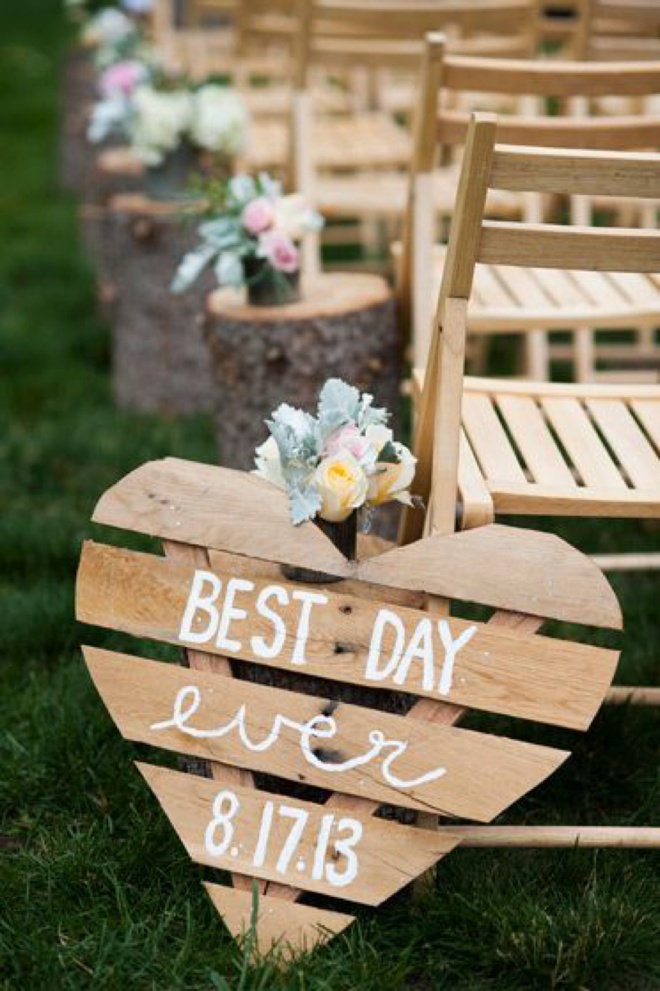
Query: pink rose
[
  {"x": 349, "y": 439},
  {"x": 280, "y": 251},
  {"x": 122, "y": 77},
  {"x": 258, "y": 216}
]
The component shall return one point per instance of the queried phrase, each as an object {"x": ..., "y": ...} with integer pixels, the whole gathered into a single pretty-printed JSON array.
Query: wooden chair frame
[{"x": 633, "y": 438}]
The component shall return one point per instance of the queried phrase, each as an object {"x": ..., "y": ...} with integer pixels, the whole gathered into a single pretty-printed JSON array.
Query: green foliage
[{"x": 95, "y": 890}]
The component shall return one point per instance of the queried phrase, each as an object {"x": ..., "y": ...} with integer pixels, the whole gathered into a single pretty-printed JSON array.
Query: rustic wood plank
[
  {"x": 429, "y": 768},
  {"x": 282, "y": 926},
  {"x": 380, "y": 857},
  {"x": 242, "y": 514},
  {"x": 531, "y": 677},
  {"x": 592, "y": 173}
]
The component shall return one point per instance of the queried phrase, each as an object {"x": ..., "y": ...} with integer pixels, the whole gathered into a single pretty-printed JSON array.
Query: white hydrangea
[
  {"x": 219, "y": 120},
  {"x": 159, "y": 123}
]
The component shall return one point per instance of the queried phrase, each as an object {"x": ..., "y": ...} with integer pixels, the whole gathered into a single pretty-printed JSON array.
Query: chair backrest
[
  {"x": 566, "y": 87},
  {"x": 617, "y": 29},
  {"x": 474, "y": 239},
  {"x": 386, "y": 33}
]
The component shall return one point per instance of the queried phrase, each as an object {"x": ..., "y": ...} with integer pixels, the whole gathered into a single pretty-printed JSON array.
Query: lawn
[{"x": 96, "y": 891}]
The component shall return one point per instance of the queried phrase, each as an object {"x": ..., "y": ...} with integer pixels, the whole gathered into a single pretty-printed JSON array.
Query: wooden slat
[
  {"x": 530, "y": 677},
  {"x": 546, "y": 500},
  {"x": 573, "y": 589},
  {"x": 242, "y": 514},
  {"x": 534, "y": 440},
  {"x": 548, "y": 77},
  {"x": 483, "y": 774},
  {"x": 588, "y": 134},
  {"x": 489, "y": 440},
  {"x": 648, "y": 413},
  {"x": 584, "y": 446},
  {"x": 281, "y": 926},
  {"x": 591, "y": 173},
  {"x": 515, "y": 387},
  {"x": 555, "y": 246},
  {"x": 601, "y": 290},
  {"x": 528, "y": 292},
  {"x": 629, "y": 444},
  {"x": 388, "y": 855}
]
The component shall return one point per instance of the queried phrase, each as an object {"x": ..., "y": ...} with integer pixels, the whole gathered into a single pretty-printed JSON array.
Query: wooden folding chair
[
  {"x": 506, "y": 299},
  {"x": 532, "y": 448},
  {"x": 616, "y": 29},
  {"x": 354, "y": 167}
]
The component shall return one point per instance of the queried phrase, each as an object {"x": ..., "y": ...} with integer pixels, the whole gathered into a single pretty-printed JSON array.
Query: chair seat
[
  {"x": 573, "y": 450},
  {"x": 383, "y": 194},
  {"x": 361, "y": 141},
  {"x": 506, "y": 299}
]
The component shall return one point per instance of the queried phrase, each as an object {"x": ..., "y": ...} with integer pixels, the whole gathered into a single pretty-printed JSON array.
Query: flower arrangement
[
  {"x": 219, "y": 120},
  {"x": 158, "y": 122},
  {"x": 256, "y": 221},
  {"x": 113, "y": 35},
  {"x": 341, "y": 460},
  {"x": 117, "y": 85}
]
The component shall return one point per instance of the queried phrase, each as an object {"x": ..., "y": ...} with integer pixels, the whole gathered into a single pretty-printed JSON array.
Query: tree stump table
[
  {"x": 345, "y": 326},
  {"x": 160, "y": 361}
]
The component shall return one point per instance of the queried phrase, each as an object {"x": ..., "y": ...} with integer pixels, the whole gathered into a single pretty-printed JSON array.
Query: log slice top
[
  {"x": 120, "y": 160},
  {"x": 328, "y": 295}
]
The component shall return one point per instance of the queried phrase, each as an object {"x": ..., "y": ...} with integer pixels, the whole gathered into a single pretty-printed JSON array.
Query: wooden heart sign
[{"x": 221, "y": 595}]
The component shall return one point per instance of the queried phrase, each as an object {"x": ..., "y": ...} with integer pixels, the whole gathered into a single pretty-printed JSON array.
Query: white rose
[
  {"x": 219, "y": 120},
  {"x": 392, "y": 481},
  {"x": 378, "y": 436},
  {"x": 269, "y": 465},
  {"x": 342, "y": 486},
  {"x": 294, "y": 217}
]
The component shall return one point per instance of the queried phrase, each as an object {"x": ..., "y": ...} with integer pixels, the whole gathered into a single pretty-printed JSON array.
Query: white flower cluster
[
  {"x": 219, "y": 120},
  {"x": 159, "y": 121},
  {"x": 343, "y": 459},
  {"x": 257, "y": 222},
  {"x": 212, "y": 117}
]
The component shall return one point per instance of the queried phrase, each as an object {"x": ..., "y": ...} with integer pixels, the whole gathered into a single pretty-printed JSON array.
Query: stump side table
[
  {"x": 344, "y": 326},
  {"x": 160, "y": 361}
]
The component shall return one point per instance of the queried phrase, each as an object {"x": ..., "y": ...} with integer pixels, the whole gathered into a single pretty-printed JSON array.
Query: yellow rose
[
  {"x": 392, "y": 481},
  {"x": 342, "y": 485}
]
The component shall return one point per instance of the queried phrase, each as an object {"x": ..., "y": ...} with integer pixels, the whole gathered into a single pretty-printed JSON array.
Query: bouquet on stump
[
  {"x": 337, "y": 465},
  {"x": 252, "y": 239}
]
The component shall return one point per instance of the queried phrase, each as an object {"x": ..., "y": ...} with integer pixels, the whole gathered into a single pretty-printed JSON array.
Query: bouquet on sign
[
  {"x": 341, "y": 460},
  {"x": 252, "y": 236}
]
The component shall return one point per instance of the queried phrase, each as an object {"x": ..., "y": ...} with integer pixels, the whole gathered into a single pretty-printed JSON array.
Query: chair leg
[{"x": 585, "y": 355}]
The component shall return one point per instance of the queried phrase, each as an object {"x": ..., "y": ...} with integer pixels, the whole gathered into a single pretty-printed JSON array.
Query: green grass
[{"x": 95, "y": 890}]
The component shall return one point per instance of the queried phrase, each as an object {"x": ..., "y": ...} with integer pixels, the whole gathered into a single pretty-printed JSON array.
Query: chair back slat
[
  {"x": 549, "y": 78},
  {"x": 633, "y": 132},
  {"x": 597, "y": 249},
  {"x": 560, "y": 171}
]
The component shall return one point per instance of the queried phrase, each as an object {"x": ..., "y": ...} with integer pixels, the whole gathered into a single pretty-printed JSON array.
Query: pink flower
[
  {"x": 122, "y": 77},
  {"x": 258, "y": 216},
  {"x": 280, "y": 251},
  {"x": 349, "y": 439}
]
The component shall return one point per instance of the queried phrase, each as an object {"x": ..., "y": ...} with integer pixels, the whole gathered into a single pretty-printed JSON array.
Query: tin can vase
[
  {"x": 267, "y": 286},
  {"x": 343, "y": 535}
]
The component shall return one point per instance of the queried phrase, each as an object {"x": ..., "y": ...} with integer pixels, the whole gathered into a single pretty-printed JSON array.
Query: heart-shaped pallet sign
[{"x": 221, "y": 596}]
